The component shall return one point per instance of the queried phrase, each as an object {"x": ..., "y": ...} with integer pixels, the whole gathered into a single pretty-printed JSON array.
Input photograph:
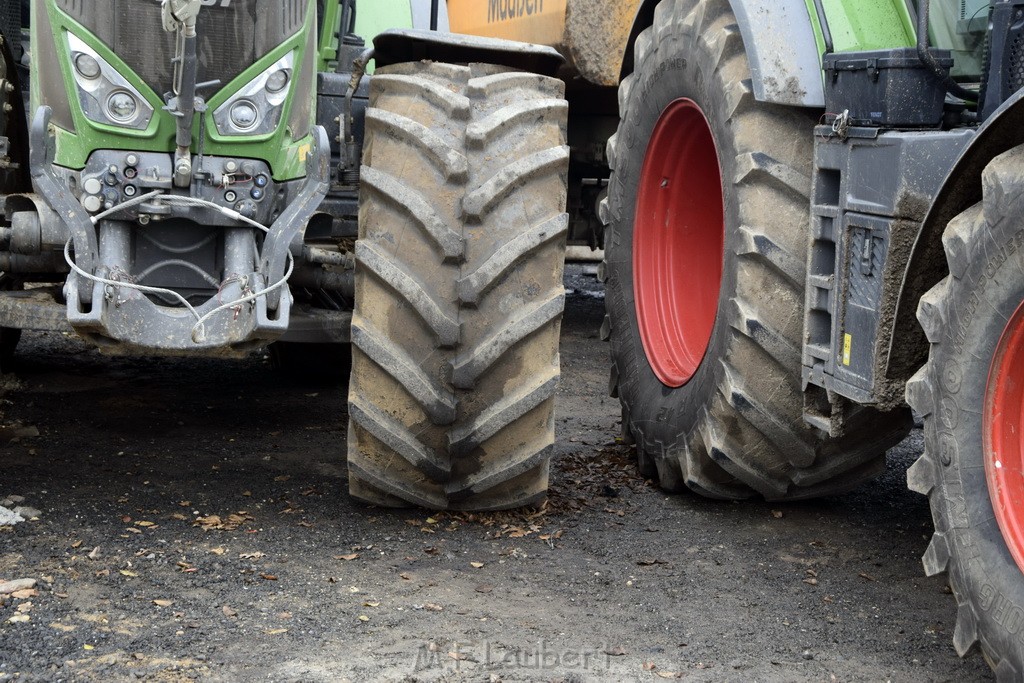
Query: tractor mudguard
[
  {"x": 1003, "y": 130},
  {"x": 784, "y": 59},
  {"x": 404, "y": 45},
  {"x": 778, "y": 36}
]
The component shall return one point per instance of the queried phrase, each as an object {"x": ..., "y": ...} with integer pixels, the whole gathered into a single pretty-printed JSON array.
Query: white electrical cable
[
  {"x": 198, "y": 332},
  {"x": 124, "y": 205}
]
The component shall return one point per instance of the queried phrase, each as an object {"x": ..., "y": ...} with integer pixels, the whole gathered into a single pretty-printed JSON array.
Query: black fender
[
  {"x": 411, "y": 45},
  {"x": 961, "y": 189}
]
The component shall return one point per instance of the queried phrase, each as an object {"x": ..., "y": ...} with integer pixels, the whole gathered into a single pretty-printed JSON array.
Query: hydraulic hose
[{"x": 926, "y": 56}]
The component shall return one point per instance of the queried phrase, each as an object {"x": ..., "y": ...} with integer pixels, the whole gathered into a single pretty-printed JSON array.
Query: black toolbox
[{"x": 886, "y": 88}]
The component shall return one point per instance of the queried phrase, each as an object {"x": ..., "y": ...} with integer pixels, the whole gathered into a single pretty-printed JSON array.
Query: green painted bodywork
[
  {"x": 379, "y": 15},
  {"x": 328, "y": 51},
  {"x": 864, "y": 24},
  {"x": 283, "y": 150}
]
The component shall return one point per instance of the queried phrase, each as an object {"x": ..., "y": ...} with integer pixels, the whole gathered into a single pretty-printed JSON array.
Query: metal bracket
[
  {"x": 292, "y": 222},
  {"x": 57, "y": 195}
]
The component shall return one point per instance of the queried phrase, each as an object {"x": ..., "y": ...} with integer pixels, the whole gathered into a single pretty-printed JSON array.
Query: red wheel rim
[
  {"x": 1003, "y": 435},
  {"x": 678, "y": 242}
]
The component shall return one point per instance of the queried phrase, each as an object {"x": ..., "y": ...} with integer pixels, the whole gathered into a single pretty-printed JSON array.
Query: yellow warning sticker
[{"x": 847, "y": 341}]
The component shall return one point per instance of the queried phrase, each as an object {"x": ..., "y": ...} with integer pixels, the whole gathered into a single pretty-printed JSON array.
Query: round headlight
[
  {"x": 121, "y": 106},
  {"x": 87, "y": 66},
  {"x": 244, "y": 115},
  {"x": 277, "y": 81}
]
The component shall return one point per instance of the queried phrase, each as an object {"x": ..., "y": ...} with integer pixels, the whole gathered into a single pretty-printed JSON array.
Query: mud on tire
[
  {"x": 459, "y": 290},
  {"x": 736, "y": 428},
  {"x": 963, "y": 317}
]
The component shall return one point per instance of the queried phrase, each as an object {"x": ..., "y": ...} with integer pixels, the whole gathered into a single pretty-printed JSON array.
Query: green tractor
[
  {"x": 216, "y": 176},
  {"x": 814, "y": 223}
]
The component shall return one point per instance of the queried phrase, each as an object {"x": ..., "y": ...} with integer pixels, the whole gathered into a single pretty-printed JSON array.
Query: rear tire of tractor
[
  {"x": 731, "y": 425},
  {"x": 964, "y": 318},
  {"x": 459, "y": 291}
]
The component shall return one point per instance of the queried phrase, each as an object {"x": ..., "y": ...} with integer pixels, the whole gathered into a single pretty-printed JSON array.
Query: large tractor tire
[
  {"x": 971, "y": 395},
  {"x": 459, "y": 291},
  {"x": 706, "y": 247}
]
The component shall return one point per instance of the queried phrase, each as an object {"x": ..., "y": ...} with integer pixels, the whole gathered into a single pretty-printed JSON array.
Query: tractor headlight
[
  {"x": 256, "y": 108},
  {"x": 244, "y": 115},
  {"x": 122, "y": 107},
  {"x": 105, "y": 95}
]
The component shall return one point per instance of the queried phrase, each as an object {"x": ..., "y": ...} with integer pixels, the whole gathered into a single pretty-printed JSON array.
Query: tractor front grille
[{"x": 232, "y": 34}]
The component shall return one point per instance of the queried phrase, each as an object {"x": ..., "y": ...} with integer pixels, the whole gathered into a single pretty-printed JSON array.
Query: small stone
[
  {"x": 7, "y": 587},
  {"x": 27, "y": 512},
  {"x": 9, "y": 517},
  {"x": 807, "y": 654}
]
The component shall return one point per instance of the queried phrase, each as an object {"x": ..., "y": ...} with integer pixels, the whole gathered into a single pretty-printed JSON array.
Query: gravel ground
[{"x": 193, "y": 524}]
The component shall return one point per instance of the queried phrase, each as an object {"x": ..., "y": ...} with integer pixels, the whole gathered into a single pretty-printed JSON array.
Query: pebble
[
  {"x": 807, "y": 654},
  {"x": 9, "y": 517},
  {"x": 27, "y": 512},
  {"x": 16, "y": 585},
  {"x": 12, "y": 500}
]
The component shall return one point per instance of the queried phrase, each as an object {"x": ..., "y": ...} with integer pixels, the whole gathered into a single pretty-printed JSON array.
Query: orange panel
[{"x": 532, "y": 21}]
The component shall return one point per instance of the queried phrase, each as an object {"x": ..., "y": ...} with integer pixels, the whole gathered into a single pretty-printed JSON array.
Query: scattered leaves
[
  {"x": 476, "y": 565},
  {"x": 230, "y": 523},
  {"x": 484, "y": 588},
  {"x": 777, "y": 514},
  {"x": 129, "y": 573},
  {"x": 228, "y": 612},
  {"x": 163, "y": 603},
  {"x": 347, "y": 558},
  {"x": 268, "y": 577},
  {"x": 275, "y": 631},
  {"x": 363, "y": 617}
]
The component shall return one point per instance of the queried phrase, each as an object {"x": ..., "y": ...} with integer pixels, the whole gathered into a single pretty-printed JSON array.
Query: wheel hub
[
  {"x": 678, "y": 243},
  {"x": 1003, "y": 435}
]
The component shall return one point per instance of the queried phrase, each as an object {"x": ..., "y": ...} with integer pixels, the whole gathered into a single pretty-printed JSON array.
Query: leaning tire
[
  {"x": 706, "y": 248},
  {"x": 972, "y": 470},
  {"x": 458, "y": 287}
]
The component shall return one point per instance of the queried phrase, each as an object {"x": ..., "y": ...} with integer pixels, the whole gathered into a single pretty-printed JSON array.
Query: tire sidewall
[
  {"x": 676, "y": 68},
  {"x": 979, "y": 305}
]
